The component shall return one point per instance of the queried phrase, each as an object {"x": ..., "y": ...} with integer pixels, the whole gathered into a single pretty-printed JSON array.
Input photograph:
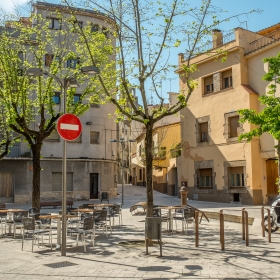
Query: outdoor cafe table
[
  {"x": 100, "y": 205},
  {"x": 58, "y": 218},
  {"x": 170, "y": 216}
]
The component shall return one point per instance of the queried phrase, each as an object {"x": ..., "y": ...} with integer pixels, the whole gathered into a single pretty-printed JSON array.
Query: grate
[{"x": 60, "y": 264}]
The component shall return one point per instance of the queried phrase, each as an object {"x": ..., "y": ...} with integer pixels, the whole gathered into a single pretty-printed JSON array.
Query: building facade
[
  {"x": 91, "y": 166},
  {"x": 214, "y": 164},
  {"x": 166, "y": 140}
]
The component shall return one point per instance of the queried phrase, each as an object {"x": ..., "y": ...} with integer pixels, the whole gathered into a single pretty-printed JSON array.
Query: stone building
[
  {"x": 214, "y": 165},
  {"x": 91, "y": 166}
]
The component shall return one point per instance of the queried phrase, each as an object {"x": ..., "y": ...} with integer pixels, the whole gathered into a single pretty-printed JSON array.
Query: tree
[
  {"x": 146, "y": 32},
  {"x": 29, "y": 101},
  {"x": 268, "y": 120},
  {"x": 7, "y": 139}
]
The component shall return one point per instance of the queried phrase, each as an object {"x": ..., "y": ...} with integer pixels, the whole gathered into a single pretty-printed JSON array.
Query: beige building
[
  {"x": 214, "y": 165},
  {"x": 166, "y": 139},
  {"x": 91, "y": 165}
]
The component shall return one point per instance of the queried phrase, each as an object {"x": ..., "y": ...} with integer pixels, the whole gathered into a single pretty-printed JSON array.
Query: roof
[
  {"x": 268, "y": 29},
  {"x": 63, "y": 7},
  {"x": 250, "y": 89}
]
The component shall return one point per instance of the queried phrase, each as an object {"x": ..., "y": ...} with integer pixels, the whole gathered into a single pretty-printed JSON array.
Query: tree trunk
[
  {"x": 36, "y": 150},
  {"x": 149, "y": 168},
  {"x": 278, "y": 154}
]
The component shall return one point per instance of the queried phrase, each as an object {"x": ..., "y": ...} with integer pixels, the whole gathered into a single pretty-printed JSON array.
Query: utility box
[{"x": 153, "y": 231}]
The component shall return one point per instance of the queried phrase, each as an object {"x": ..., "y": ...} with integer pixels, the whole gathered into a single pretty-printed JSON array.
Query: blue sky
[{"x": 254, "y": 22}]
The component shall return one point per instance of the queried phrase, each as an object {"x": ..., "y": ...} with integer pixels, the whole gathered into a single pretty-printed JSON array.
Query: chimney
[{"x": 217, "y": 37}]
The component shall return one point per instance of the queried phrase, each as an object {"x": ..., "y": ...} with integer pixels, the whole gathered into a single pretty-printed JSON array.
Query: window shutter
[{"x": 233, "y": 125}]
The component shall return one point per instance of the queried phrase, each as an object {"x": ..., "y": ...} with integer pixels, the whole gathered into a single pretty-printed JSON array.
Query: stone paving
[{"x": 181, "y": 259}]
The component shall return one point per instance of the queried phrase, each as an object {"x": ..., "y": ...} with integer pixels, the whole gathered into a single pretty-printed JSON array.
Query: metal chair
[
  {"x": 116, "y": 212},
  {"x": 29, "y": 227},
  {"x": 88, "y": 228},
  {"x": 101, "y": 221},
  {"x": 17, "y": 220},
  {"x": 3, "y": 217},
  {"x": 186, "y": 216}
]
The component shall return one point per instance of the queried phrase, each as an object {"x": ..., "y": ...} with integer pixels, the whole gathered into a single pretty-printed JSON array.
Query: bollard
[
  {"x": 263, "y": 229},
  {"x": 269, "y": 225},
  {"x": 246, "y": 227},
  {"x": 243, "y": 223},
  {"x": 196, "y": 228},
  {"x": 222, "y": 231},
  {"x": 184, "y": 193}
]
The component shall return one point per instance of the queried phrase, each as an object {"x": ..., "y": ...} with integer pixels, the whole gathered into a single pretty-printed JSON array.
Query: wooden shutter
[
  {"x": 233, "y": 125},
  {"x": 57, "y": 182}
]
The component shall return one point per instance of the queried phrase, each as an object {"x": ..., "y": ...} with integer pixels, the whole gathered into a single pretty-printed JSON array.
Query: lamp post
[
  {"x": 122, "y": 141},
  {"x": 64, "y": 83}
]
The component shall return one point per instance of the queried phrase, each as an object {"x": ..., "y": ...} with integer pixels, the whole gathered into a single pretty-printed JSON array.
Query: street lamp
[
  {"x": 64, "y": 83},
  {"x": 122, "y": 141}
]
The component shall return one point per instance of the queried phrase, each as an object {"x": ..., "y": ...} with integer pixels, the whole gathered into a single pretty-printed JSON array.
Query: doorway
[
  {"x": 93, "y": 185},
  {"x": 6, "y": 187}
]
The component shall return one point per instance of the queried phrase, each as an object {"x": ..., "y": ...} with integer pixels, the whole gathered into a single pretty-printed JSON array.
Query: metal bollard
[
  {"x": 246, "y": 227},
  {"x": 263, "y": 230},
  {"x": 196, "y": 228},
  {"x": 269, "y": 226},
  {"x": 222, "y": 230},
  {"x": 243, "y": 223}
]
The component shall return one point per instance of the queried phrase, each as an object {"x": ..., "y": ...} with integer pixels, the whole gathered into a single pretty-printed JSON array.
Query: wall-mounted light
[{"x": 88, "y": 123}]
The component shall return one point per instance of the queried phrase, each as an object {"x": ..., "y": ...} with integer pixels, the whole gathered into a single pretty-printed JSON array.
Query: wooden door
[
  {"x": 93, "y": 185},
  {"x": 272, "y": 175},
  {"x": 6, "y": 187}
]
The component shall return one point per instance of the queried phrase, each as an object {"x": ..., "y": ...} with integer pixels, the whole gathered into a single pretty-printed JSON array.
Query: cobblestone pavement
[{"x": 181, "y": 259}]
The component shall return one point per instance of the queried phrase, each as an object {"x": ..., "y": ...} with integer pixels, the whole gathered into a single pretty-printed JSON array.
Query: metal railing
[{"x": 209, "y": 46}]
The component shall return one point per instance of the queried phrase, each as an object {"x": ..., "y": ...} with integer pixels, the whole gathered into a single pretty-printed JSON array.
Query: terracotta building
[{"x": 214, "y": 165}]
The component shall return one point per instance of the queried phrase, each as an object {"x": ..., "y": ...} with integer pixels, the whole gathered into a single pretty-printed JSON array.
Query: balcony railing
[
  {"x": 264, "y": 41},
  {"x": 209, "y": 46}
]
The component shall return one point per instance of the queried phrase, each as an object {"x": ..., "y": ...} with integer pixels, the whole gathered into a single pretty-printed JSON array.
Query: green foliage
[
  {"x": 175, "y": 150},
  {"x": 268, "y": 120},
  {"x": 29, "y": 100}
]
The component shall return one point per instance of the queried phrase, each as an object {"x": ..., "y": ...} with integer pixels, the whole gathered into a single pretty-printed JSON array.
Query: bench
[
  {"x": 3, "y": 206},
  {"x": 140, "y": 205},
  {"x": 55, "y": 203}
]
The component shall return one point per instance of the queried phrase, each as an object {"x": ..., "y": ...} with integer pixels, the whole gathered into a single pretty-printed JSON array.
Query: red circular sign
[{"x": 69, "y": 127}]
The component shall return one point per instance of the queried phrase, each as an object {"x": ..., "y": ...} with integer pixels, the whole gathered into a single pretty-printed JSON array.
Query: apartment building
[
  {"x": 214, "y": 164},
  {"x": 167, "y": 140},
  {"x": 91, "y": 166}
]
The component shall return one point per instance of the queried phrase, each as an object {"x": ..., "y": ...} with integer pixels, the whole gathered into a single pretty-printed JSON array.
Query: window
[
  {"x": 140, "y": 174},
  {"x": 205, "y": 178},
  {"x": 227, "y": 79},
  {"x": 77, "y": 98},
  {"x": 203, "y": 128},
  {"x": 98, "y": 28},
  {"x": 94, "y": 137},
  {"x": 55, "y": 23},
  {"x": 56, "y": 98},
  {"x": 208, "y": 85},
  {"x": 94, "y": 105},
  {"x": 76, "y": 26},
  {"x": 48, "y": 59},
  {"x": 233, "y": 126},
  {"x": 236, "y": 176},
  {"x": 57, "y": 182},
  {"x": 54, "y": 137},
  {"x": 72, "y": 63},
  {"x": 162, "y": 152}
]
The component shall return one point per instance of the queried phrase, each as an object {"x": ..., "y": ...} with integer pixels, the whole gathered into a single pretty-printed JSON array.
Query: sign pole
[{"x": 64, "y": 170}]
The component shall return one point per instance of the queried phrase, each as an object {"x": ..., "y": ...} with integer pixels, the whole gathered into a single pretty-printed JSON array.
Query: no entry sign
[{"x": 69, "y": 127}]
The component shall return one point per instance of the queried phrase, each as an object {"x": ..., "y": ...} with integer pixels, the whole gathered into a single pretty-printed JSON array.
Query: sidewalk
[{"x": 181, "y": 259}]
